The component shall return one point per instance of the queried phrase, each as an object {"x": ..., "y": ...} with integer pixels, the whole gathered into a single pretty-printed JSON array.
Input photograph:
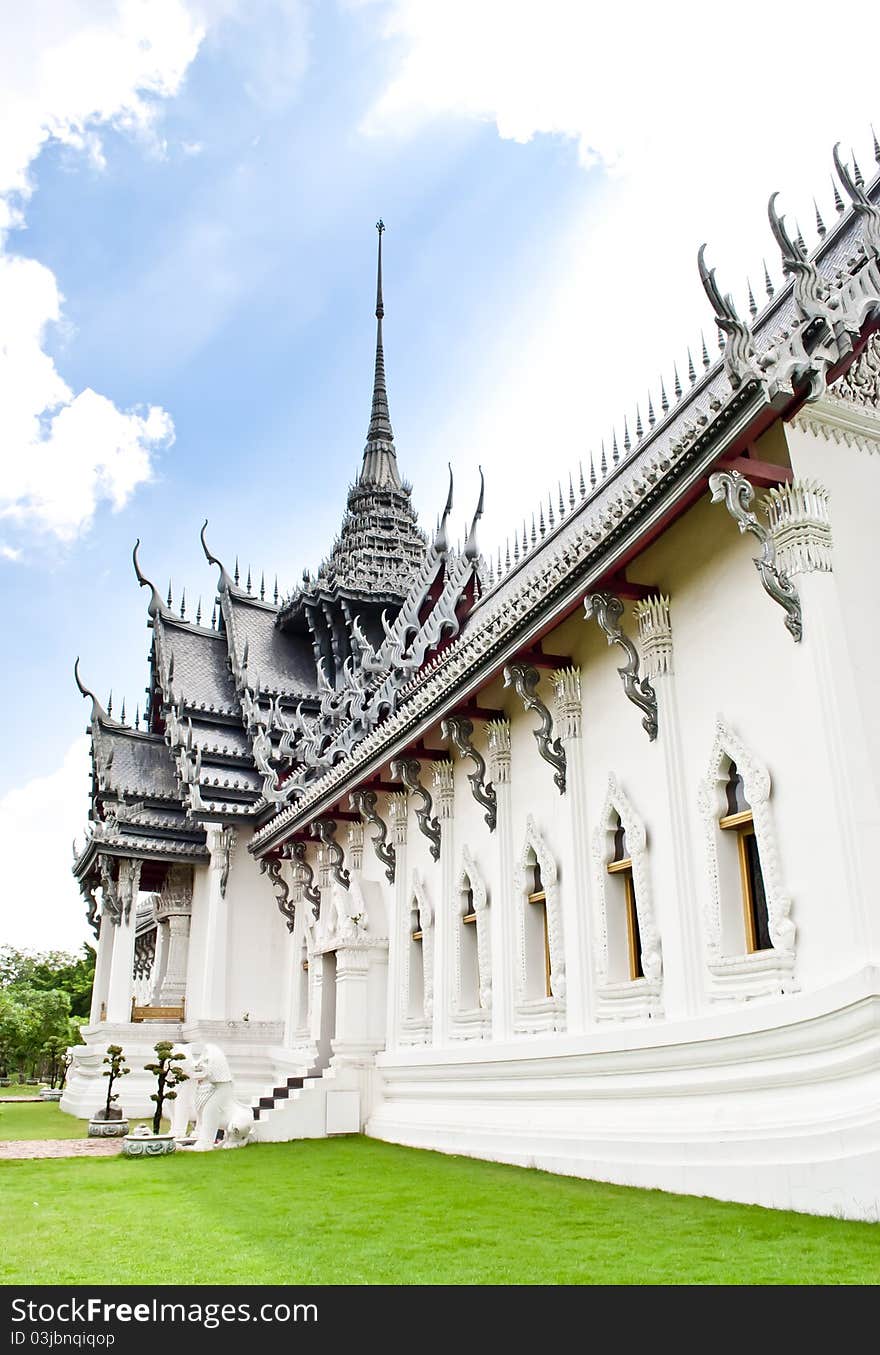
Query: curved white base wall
[{"x": 739, "y": 1106}]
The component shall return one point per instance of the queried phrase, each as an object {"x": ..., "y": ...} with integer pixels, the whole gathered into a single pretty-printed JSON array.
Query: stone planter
[
  {"x": 50, "y": 1094},
  {"x": 147, "y": 1144},
  {"x": 99, "y": 1128},
  {"x": 5, "y": 1081}
]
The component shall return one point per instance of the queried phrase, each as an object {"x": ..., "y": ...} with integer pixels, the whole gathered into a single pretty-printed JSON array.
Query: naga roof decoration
[{"x": 282, "y": 709}]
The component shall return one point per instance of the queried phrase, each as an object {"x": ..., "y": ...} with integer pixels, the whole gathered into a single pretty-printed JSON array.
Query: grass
[
  {"x": 42, "y": 1120},
  {"x": 21, "y": 1089},
  {"x": 356, "y": 1211}
]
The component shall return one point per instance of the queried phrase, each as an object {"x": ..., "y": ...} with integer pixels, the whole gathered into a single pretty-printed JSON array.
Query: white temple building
[{"x": 562, "y": 857}]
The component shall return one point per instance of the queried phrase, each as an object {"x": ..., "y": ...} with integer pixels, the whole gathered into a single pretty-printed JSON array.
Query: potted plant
[
  {"x": 109, "y": 1122},
  {"x": 168, "y": 1073}
]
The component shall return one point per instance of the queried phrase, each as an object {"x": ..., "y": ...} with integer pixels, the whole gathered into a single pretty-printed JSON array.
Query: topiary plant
[
  {"x": 168, "y": 1076},
  {"x": 115, "y": 1059}
]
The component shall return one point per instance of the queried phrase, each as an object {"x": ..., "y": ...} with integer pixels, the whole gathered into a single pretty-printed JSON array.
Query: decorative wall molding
[
  {"x": 567, "y": 694},
  {"x": 524, "y": 678},
  {"x": 459, "y": 730},
  {"x": 627, "y": 997},
  {"x": 175, "y": 896},
  {"x": 536, "y": 849},
  {"x": 333, "y": 856},
  {"x": 443, "y": 774},
  {"x": 498, "y": 737},
  {"x": 655, "y": 635},
  {"x": 356, "y": 844},
  {"x": 470, "y": 877},
  {"x": 744, "y": 975},
  {"x": 840, "y": 422},
  {"x": 398, "y": 817},
  {"x": 738, "y": 493},
  {"x": 364, "y": 803},
  {"x": 409, "y": 771},
  {"x": 608, "y": 610},
  {"x": 860, "y": 384},
  {"x": 801, "y": 527}
]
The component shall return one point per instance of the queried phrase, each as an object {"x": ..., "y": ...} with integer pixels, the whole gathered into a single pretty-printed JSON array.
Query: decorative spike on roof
[{"x": 380, "y": 458}]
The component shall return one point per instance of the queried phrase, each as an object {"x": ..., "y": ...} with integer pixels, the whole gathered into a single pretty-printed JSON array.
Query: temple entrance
[{"x": 328, "y": 1006}]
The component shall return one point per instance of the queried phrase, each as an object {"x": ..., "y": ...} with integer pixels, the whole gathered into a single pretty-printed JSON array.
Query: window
[
  {"x": 416, "y": 1002},
  {"x": 469, "y": 979},
  {"x": 621, "y": 868},
  {"x": 538, "y": 936},
  {"x": 738, "y": 821}
]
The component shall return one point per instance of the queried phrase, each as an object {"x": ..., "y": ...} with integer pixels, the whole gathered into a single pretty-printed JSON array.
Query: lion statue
[{"x": 210, "y": 1101}]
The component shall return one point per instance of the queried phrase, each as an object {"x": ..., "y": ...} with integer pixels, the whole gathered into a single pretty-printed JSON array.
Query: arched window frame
[
  {"x": 416, "y": 1029},
  {"x": 544, "y": 1013},
  {"x": 626, "y": 998},
  {"x": 756, "y": 973},
  {"x": 478, "y": 1021}
]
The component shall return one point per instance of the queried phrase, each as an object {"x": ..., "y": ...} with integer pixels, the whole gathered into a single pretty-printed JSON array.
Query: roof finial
[
  {"x": 380, "y": 458},
  {"x": 156, "y": 606},
  {"x": 471, "y": 549},
  {"x": 98, "y": 711},
  {"x": 441, "y": 540},
  {"x": 225, "y": 583}
]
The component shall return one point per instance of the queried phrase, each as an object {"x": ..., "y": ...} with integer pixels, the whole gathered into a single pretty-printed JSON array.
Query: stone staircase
[
  {"x": 280, "y": 1094},
  {"x": 325, "y": 1100}
]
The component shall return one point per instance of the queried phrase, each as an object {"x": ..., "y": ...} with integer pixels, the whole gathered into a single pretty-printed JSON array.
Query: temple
[{"x": 561, "y": 854}]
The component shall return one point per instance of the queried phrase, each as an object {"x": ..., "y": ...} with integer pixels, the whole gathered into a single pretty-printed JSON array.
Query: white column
[
  {"x": 684, "y": 965},
  {"x": 160, "y": 960},
  {"x": 102, "y": 968},
  {"x": 398, "y": 924},
  {"x": 575, "y": 894},
  {"x": 830, "y": 706},
  {"x": 444, "y": 798},
  {"x": 121, "y": 983},
  {"x": 503, "y": 921},
  {"x": 213, "y": 995}
]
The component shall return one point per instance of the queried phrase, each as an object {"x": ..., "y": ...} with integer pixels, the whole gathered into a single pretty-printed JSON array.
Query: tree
[
  {"x": 47, "y": 970},
  {"x": 41, "y": 1016},
  {"x": 10, "y": 1031},
  {"x": 168, "y": 1076},
  {"x": 115, "y": 1059}
]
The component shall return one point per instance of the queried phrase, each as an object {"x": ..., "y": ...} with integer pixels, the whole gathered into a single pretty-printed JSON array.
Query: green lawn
[
  {"x": 20, "y": 1089},
  {"x": 42, "y": 1120},
  {"x": 356, "y": 1211}
]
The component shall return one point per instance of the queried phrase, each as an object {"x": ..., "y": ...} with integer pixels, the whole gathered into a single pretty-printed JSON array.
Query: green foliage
[
  {"x": 44, "y": 996},
  {"x": 168, "y": 1076},
  {"x": 375, "y": 1213},
  {"x": 45, "y": 970},
  {"x": 116, "y": 1068}
]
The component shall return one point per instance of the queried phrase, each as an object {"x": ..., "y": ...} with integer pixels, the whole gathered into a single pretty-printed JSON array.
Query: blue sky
[{"x": 545, "y": 180}]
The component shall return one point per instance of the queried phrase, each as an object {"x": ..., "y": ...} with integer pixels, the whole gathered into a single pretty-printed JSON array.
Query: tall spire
[{"x": 380, "y": 458}]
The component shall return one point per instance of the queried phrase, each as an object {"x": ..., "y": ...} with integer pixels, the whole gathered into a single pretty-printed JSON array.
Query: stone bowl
[
  {"x": 50, "y": 1094},
  {"x": 140, "y": 1144},
  {"x": 107, "y": 1129}
]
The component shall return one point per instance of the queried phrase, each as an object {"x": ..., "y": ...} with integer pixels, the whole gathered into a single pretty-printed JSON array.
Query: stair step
[
  {"x": 266, "y": 1102},
  {"x": 280, "y": 1093}
]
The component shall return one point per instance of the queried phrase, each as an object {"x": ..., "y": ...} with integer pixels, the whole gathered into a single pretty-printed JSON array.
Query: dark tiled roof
[
  {"x": 201, "y": 672},
  {"x": 280, "y": 661},
  {"x": 133, "y": 763}
]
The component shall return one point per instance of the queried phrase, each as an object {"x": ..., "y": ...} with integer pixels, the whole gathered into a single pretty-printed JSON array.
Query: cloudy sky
[{"x": 188, "y": 190}]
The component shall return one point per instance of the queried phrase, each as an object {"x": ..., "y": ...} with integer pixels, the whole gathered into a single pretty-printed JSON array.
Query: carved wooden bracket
[
  {"x": 459, "y": 730},
  {"x": 607, "y": 610},
  {"x": 738, "y": 494},
  {"x": 524, "y": 679},
  {"x": 305, "y": 876},
  {"x": 364, "y": 802},
  {"x": 409, "y": 770},
  {"x": 271, "y": 866}
]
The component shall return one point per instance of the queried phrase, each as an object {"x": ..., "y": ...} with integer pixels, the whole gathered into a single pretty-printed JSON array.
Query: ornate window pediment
[
  {"x": 473, "y": 962},
  {"x": 628, "y": 958},
  {"x": 740, "y": 964},
  {"x": 540, "y": 999}
]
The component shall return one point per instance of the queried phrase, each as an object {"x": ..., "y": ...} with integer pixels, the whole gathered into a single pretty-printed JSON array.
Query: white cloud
[
  {"x": 41, "y": 906},
  {"x": 10, "y": 553},
  {"x": 686, "y": 118},
  {"x": 64, "y": 452}
]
